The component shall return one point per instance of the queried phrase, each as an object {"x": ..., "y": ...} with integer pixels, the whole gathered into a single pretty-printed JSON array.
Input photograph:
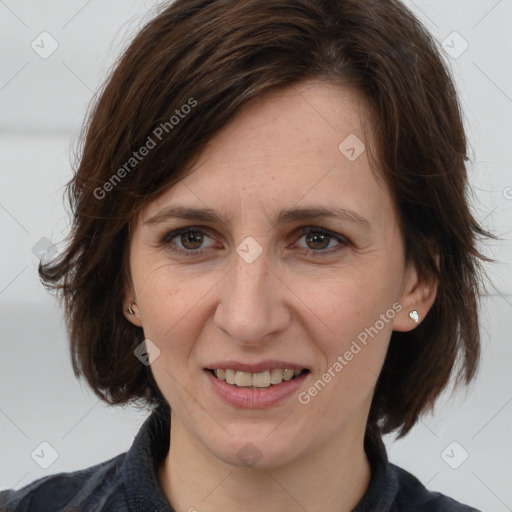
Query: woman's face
[{"x": 256, "y": 282}]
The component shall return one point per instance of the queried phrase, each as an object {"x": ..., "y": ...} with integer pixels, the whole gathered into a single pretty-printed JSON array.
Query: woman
[{"x": 273, "y": 248}]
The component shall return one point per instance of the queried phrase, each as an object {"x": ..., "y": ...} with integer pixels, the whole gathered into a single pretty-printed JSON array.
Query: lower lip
[{"x": 255, "y": 398}]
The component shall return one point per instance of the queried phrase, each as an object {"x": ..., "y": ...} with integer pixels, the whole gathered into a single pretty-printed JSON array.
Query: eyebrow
[{"x": 285, "y": 216}]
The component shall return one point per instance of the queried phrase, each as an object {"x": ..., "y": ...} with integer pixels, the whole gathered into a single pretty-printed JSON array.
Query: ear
[
  {"x": 130, "y": 303},
  {"x": 418, "y": 295}
]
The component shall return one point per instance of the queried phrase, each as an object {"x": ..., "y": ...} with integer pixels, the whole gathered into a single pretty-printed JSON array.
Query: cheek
[
  {"x": 170, "y": 310},
  {"x": 160, "y": 297},
  {"x": 170, "y": 316},
  {"x": 348, "y": 304},
  {"x": 353, "y": 359},
  {"x": 352, "y": 328},
  {"x": 174, "y": 309}
]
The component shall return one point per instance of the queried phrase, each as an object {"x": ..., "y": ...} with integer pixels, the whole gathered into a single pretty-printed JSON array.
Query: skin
[{"x": 292, "y": 303}]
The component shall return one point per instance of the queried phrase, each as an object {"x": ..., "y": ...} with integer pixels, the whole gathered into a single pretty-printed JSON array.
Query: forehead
[
  {"x": 305, "y": 142},
  {"x": 312, "y": 116}
]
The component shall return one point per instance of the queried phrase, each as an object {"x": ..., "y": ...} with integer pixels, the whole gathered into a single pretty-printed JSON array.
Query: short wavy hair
[{"x": 215, "y": 56}]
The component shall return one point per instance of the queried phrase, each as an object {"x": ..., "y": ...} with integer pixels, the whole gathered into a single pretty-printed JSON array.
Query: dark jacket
[{"x": 129, "y": 483}]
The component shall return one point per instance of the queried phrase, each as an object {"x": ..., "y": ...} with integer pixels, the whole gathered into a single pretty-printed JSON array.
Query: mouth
[
  {"x": 261, "y": 380},
  {"x": 255, "y": 386}
]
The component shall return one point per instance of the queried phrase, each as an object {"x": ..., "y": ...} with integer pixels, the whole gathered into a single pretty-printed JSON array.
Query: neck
[{"x": 333, "y": 478}]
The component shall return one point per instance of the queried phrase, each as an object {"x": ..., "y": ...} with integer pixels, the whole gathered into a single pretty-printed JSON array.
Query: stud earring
[
  {"x": 413, "y": 315},
  {"x": 130, "y": 310}
]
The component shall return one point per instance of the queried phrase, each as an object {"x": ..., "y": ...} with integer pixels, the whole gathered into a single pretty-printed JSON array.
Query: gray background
[{"x": 42, "y": 104}]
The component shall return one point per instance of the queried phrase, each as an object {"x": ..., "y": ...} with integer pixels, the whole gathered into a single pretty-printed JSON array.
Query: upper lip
[{"x": 256, "y": 367}]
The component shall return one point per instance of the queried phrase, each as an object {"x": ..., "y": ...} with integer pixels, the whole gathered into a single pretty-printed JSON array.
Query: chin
[{"x": 254, "y": 448}]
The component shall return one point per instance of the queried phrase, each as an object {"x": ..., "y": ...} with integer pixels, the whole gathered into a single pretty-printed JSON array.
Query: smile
[{"x": 263, "y": 379}]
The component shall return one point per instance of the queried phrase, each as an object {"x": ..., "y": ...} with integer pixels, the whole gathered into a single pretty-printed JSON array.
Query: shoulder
[
  {"x": 393, "y": 489},
  {"x": 413, "y": 495},
  {"x": 95, "y": 487}
]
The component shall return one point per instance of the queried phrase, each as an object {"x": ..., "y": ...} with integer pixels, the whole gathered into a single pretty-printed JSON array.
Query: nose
[{"x": 252, "y": 307}]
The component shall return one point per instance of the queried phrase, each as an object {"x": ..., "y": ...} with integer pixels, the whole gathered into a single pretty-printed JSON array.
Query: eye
[
  {"x": 187, "y": 240},
  {"x": 190, "y": 241},
  {"x": 319, "y": 239}
]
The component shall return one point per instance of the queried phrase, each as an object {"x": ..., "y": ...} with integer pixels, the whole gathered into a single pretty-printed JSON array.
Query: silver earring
[
  {"x": 413, "y": 315},
  {"x": 130, "y": 310}
]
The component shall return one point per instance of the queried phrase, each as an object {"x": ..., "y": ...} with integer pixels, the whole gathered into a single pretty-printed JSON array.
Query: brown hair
[{"x": 215, "y": 56}]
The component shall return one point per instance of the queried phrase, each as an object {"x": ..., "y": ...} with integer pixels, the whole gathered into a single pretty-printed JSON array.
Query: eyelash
[{"x": 167, "y": 240}]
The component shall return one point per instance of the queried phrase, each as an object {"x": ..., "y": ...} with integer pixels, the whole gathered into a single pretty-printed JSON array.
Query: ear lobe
[
  {"x": 419, "y": 295},
  {"x": 131, "y": 310}
]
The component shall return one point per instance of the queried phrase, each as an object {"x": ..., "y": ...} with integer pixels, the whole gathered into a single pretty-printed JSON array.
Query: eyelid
[
  {"x": 303, "y": 230},
  {"x": 317, "y": 229},
  {"x": 169, "y": 235}
]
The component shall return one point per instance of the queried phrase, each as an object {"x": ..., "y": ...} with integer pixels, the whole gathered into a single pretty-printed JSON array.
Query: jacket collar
[{"x": 144, "y": 493}]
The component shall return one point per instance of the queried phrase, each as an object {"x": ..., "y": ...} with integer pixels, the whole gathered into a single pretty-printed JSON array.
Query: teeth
[
  {"x": 261, "y": 380},
  {"x": 288, "y": 375},
  {"x": 243, "y": 379},
  {"x": 230, "y": 376},
  {"x": 258, "y": 380},
  {"x": 276, "y": 376}
]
